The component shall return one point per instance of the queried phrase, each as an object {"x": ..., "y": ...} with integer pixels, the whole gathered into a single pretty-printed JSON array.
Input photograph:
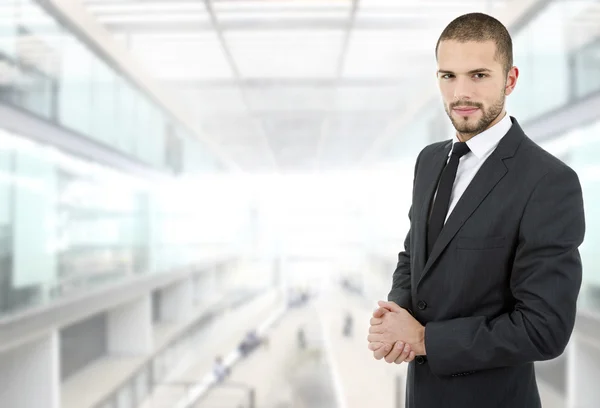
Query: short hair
[{"x": 480, "y": 27}]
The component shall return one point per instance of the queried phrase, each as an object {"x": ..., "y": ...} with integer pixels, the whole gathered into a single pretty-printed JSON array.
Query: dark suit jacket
[{"x": 499, "y": 290}]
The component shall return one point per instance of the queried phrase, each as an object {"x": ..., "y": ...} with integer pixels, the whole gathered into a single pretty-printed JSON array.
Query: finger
[
  {"x": 411, "y": 357},
  {"x": 404, "y": 355},
  {"x": 379, "y": 312},
  {"x": 391, "y": 306},
  {"x": 376, "y": 329},
  {"x": 375, "y": 321},
  {"x": 377, "y": 337},
  {"x": 382, "y": 352},
  {"x": 395, "y": 353},
  {"x": 375, "y": 346}
]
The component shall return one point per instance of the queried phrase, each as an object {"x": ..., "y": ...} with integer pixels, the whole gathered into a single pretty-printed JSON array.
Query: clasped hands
[{"x": 395, "y": 334}]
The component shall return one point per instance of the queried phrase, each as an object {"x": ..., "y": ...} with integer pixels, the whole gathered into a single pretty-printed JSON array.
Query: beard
[{"x": 469, "y": 128}]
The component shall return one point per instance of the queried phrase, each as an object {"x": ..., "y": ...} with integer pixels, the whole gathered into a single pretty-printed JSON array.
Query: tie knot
[{"x": 460, "y": 149}]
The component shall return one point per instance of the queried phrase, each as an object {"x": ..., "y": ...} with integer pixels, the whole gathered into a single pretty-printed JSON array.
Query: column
[
  {"x": 30, "y": 374},
  {"x": 130, "y": 328},
  {"x": 177, "y": 301}
]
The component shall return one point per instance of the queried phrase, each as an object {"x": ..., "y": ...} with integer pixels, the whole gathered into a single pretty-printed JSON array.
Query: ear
[{"x": 511, "y": 80}]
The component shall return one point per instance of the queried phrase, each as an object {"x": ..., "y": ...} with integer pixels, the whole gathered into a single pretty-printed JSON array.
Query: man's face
[{"x": 473, "y": 84}]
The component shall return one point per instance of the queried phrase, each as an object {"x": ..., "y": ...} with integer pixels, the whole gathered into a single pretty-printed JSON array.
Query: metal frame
[
  {"x": 24, "y": 123},
  {"x": 255, "y": 24},
  {"x": 237, "y": 76},
  {"x": 350, "y": 24}
]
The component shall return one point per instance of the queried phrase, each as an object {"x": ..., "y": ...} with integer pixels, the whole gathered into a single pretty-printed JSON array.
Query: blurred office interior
[{"x": 201, "y": 201}]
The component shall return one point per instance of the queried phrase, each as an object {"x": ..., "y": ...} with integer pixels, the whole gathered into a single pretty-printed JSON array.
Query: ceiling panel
[
  {"x": 285, "y": 54},
  {"x": 146, "y": 19},
  {"x": 250, "y": 156},
  {"x": 434, "y": 6},
  {"x": 211, "y": 101},
  {"x": 370, "y": 98},
  {"x": 290, "y": 98},
  {"x": 389, "y": 53},
  {"x": 280, "y": 5},
  {"x": 181, "y": 56},
  {"x": 287, "y": 16},
  {"x": 149, "y": 12},
  {"x": 263, "y": 82},
  {"x": 104, "y": 7},
  {"x": 227, "y": 128}
]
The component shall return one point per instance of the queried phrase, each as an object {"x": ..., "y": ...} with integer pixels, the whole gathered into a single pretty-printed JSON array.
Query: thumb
[{"x": 391, "y": 306}]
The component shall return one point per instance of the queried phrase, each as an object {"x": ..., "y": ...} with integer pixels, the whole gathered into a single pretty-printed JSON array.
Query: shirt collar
[{"x": 486, "y": 141}]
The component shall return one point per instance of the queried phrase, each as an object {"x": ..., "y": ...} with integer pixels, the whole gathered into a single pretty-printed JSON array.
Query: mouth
[{"x": 465, "y": 110}]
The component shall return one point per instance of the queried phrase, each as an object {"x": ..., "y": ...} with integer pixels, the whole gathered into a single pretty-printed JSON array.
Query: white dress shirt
[{"x": 482, "y": 146}]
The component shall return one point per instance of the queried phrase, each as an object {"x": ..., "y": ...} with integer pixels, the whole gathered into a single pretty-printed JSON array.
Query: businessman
[{"x": 490, "y": 273}]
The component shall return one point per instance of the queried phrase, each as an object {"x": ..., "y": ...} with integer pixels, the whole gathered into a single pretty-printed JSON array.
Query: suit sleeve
[
  {"x": 401, "y": 285},
  {"x": 545, "y": 283}
]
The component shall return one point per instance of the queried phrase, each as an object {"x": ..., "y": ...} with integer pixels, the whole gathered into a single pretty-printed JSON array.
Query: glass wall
[
  {"x": 578, "y": 149},
  {"x": 558, "y": 57},
  {"x": 540, "y": 53},
  {"x": 68, "y": 225},
  {"x": 46, "y": 70},
  {"x": 586, "y": 68},
  {"x": 558, "y": 54}
]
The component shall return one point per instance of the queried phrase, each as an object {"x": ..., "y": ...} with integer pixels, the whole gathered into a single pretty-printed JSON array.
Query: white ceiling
[{"x": 290, "y": 85}]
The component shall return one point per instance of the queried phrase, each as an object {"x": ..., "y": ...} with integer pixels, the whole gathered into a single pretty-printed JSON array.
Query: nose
[{"x": 462, "y": 89}]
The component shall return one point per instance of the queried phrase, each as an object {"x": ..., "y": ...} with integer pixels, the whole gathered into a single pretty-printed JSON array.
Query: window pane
[
  {"x": 74, "y": 97},
  {"x": 103, "y": 103}
]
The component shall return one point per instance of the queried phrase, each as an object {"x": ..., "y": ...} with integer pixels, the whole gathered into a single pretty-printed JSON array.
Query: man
[{"x": 489, "y": 277}]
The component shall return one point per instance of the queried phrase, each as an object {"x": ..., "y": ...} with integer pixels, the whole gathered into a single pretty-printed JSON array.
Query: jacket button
[
  {"x": 420, "y": 359},
  {"x": 421, "y": 305}
]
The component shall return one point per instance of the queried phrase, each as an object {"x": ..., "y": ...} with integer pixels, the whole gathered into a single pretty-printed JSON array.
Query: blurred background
[{"x": 201, "y": 201}]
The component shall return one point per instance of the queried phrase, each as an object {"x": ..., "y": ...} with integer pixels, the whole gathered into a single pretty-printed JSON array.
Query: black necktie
[{"x": 442, "y": 198}]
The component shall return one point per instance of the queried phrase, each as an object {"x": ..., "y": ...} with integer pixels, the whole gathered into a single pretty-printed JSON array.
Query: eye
[
  {"x": 447, "y": 76},
  {"x": 480, "y": 75}
]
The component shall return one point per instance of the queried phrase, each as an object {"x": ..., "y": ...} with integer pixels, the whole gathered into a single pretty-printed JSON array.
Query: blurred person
[
  {"x": 220, "y": 371},
  {"x": 301, "y": 338},
  {"x": 250, "y": 342},
  {"x": 348, "y": 324},
  {"x": 490, "y": 273}
]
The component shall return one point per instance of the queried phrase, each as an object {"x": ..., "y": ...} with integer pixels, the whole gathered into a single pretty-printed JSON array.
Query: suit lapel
[
  {"x": 430, "y": 181},
  {"x": 490, "y": 173}
]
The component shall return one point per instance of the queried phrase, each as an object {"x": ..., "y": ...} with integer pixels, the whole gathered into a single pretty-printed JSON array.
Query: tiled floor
[
  {"x": 332, "y": 372},
  {"x": 220, "y": 338}
]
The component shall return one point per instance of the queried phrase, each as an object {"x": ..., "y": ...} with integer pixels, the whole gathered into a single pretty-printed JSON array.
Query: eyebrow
[{"x": 473, "y": 71}]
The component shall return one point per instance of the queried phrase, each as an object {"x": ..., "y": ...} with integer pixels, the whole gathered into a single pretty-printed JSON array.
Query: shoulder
[
  {"x": 539, "y": 164},
  {"x": 431, "y": 149},
  {"x": 434, "y": 147}
]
